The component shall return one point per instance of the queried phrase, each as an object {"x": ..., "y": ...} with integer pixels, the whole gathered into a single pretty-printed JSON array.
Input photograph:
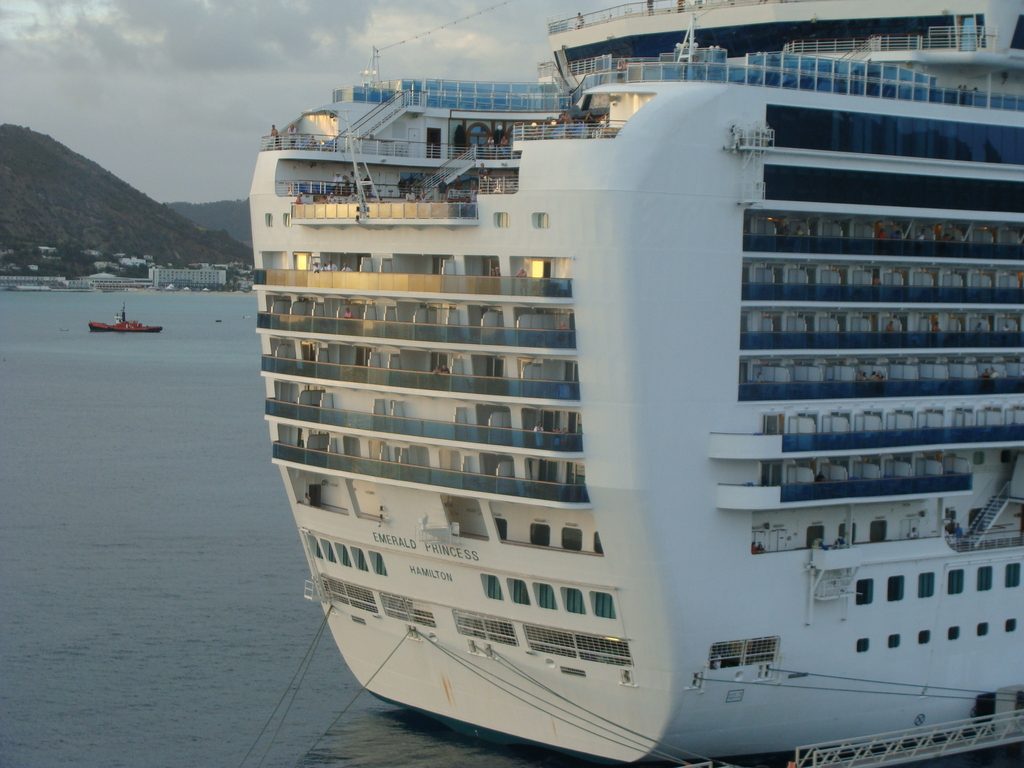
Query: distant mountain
[
  {"x": 230, "y": 215},
  {"x": 52, "y": 196}
]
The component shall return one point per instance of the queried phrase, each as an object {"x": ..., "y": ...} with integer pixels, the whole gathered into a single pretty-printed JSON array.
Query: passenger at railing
[
  {"x": 346, "y": 268},
  {"x": 935, "y": 326},
  {"x": 291, "y": 135},
  {"x": 877, "y": 376},
  {"x": 840, "y": 543},
  {"x": 913, "y": 534},
  {"x": 890, "y": 328},
  {"x": 316, "y": 267},
  {"x": 896, "y": 234},
  {"x": 861, "y": 376},
  {"x": 348, "y": 314},
  {"x": 921, "y": 235},
  {"x": 650, "y": 7},
  {"x": 958, "y": 532},
  {"x": 579, "y": 21},
  {"x": 800, "y": 231},
  {"x": 820, "y": 478},
  {"x": 521, "y": 272},
  {"x": 756, "y": 548}
]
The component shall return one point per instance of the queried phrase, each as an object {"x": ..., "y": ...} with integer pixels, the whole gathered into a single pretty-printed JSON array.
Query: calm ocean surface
[{"x": 151, "y": 576}]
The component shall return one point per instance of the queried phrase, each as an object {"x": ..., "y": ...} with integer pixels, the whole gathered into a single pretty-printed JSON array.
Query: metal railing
[
  {"x": 434, "y": 382},
  {"x": 422, "y": 284},
  {"x": 900, "y": 438},
  {"x": 882, "y": 246},
  {"x": 860, "y": 390},
  {"x": 880, "y": 293},
  {"x": 938, "y": 38},
  {"x": 883, "y": 486},
  {"x": 425, "y": 428},
  {"x": 751, "y": 340},
  {"x": 498, "y": 185},
  {"x": 971, "y": 544},
  {"x": 424, "y": 332},
  {"x": 915, "y": 743},
  {"x": 368, "y": 212},
  {"x": 575, "y": 130},
  {"x": 445, "y": 478},
  {"x": 570, "y": 21}
]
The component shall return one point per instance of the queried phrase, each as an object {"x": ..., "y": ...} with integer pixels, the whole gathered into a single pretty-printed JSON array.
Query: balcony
[
  {"x": 883, "y": 340},
  {"x": 568, "y": 131},
  {"x": 441, "y": 334},
  {"x": 881, "y": 293},
  {"x": 435, "y": 430},
  {"x": 490, "y": 386},
  {"x": 444, "y": 478},
  {"x": 882, "y": 246},
  {"x": 751, "y": 497},
  {"x": 842, "y": 390},
  {"x": 386, "y": 214},
  {"x": 401, "y": 282}
]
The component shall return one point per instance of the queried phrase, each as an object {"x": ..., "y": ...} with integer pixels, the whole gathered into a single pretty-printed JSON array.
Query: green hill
[
  {"x": 230, "y": 215},
  {"x": 52, "y": 196}
]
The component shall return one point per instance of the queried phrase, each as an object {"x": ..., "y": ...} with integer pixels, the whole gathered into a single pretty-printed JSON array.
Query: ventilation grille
[
  {"x": 349, "y": 594},
  {"x": 573, "y": 671},
  {"x": 485, "y": 628},
  {"x": 740, "y": 653},
  {"x": 606, "y": 650},
  {"x": 402, "y": 608}
]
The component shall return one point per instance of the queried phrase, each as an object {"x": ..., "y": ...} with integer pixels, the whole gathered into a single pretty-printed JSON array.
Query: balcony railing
[
  {"x": 499, "y": 185},
  {"x": 882, "y": 246},
  {"x": 441, "y": 334},
  {"x": 886, "y": 486},
  {"x": 385, "y": 212},
  {"x": 403, "y": 282},
  {"x": 483, "y": 335},
  {"x": 901, "y": 438},
  {"x": 445, "y": 478},
  {"x": 973, "y": 544},
  {"x": 881, "y": 293},
  {"x": 434, "y": 430},
  {"x": 841, "y": 390},
  {"x": 546, "y": 131},
  {"x": 883, "y": 340},
  {"x": 437, "y": 382}
]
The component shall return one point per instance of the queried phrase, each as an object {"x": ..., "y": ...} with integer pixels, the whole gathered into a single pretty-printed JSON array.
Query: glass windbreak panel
[
  {"x": 546, "y": 597},
  {"x": 314, "y": 547},
  {"x": 501, "y": 524}
]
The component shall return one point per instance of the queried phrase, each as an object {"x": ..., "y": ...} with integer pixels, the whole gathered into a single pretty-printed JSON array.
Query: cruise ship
[{"x": 670, "y": 406}]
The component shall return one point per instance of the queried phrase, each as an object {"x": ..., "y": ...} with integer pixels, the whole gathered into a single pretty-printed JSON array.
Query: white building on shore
[{"x": 205, "y": 277}]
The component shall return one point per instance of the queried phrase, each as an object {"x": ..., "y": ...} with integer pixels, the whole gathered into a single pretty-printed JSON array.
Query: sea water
[{"x": 151, "y": 576}]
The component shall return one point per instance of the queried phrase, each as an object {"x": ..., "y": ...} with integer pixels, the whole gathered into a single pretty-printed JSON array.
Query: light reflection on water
[{"x": 152, "y": 610}]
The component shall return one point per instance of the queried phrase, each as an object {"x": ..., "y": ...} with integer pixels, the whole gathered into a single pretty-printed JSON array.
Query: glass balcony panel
[
  {"x": 892, "y": 340},
  {"x": 391, "y": 282},
  {"x": 899, "y": 438},
  {"x": 437, "y": 382},
  {"x": 506, "y": 486},
  {"x": 860, "y": 246},
  {"x": 437, "y": 430},
  {"x": 881, "y": 293},
  {"x": 828, "y": 390},
  {"x": 887, "y": 486}
]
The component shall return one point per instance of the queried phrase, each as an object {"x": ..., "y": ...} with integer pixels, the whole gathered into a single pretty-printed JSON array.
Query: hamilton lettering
[{"x": 430, "y": 572}]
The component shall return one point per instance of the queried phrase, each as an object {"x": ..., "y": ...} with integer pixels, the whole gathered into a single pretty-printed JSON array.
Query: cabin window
[
  {"x": 517, "y": 589},
  {"x": 983, "y": 629},
  {"x": 541, "y": 221},
  {"x": 573, "y": 600},
  {"x": 314, "y": 547},
  {"x": 378, "y": 563},
  {"x": 985, "y": 578},
  {"x": 926, "y": 584},
  {"x": 1013, "y": 575},
  {"x": 895, "y": 591},
  {"x": 572, "y": 538},
  {"x": 953, "y": 633},
  {"x": 360, "y": 558},
  {"x": 540, "y": 534},
  {"x": 343, "y": 555},
  {"x": 286, "y": 219},
  {"x": 478, "y": 134},
  {"x": 501, "y": 220},
  {"x": 604, "y": 605},
  {"x": 863, "y": 644},
  {"x": 1011, "y": 625},
  {"x": 501, "y": 525},
  {"x": 599, "y": 549},
  {"x": 924, "y": 637},
  {"x": 269, "y": 219},
  {"x": 492, "y": 587},
  {"x": 955, "y": 583},
  {"x": 329, "y": 550},
  {"x": 894, "y": 641},
  {"x": 865, "y": 591},
  {"x": 546, "y": 596}
]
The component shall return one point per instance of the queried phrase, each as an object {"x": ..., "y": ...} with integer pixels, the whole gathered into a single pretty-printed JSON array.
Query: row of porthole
[
  {"x": 358, "y": 559},
  {"x": 602, "y": 604},
  {"x": 926, "y": 583},
  {"x": 286, "y": 218},
  {"x": 925, "y": 635},
  {"x": 540, "y": 220}
]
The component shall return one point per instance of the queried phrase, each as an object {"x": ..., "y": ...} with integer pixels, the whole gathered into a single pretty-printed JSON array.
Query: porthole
[
  {"x": 541, "y": 221},
  {"x": 501, "y": 220}
]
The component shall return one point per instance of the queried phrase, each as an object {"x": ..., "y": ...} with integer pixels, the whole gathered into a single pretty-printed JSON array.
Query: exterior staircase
[
  {"x": 387, "y": 111},
  {"x": 988, "y": 514},
  {"x": 451, "y": 170}
]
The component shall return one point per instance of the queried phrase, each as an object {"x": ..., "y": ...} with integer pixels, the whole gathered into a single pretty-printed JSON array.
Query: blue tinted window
[
  {"x": 829, "y": 185},
  {"x": 840, "y": 131}
]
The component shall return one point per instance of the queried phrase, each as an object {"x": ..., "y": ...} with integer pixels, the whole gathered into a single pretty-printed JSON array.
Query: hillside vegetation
[{"x": 52, "y": 196}]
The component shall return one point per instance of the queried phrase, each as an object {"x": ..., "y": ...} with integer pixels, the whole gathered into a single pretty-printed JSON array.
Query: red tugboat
[{"x": 123, "y": 325}]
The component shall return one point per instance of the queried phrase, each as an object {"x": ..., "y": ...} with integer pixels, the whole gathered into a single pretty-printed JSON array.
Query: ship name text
[{"x": 442, "y": 575}]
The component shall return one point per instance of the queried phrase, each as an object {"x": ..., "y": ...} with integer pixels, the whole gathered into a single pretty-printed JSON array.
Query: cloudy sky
[{"x": 173, "y": 95}]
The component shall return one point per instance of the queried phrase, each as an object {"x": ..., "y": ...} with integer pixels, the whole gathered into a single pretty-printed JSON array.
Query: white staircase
[
  {"x": 451, "y": 170},
  {"x": 387, "y": 111},
  {"x": 988, "y": 514}
]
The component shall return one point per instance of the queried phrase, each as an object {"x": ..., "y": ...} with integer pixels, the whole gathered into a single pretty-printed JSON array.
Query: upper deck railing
[
  {"x": 569, "y": 21},
  {"x": 405, "y": 282},
  {"x": 812, "y": 73},
  {"x": 574, "y": 130},
  {"x": 461, "y": 94},
  {"x": 938, "y": 39},
  {"x": 371, "y": 212}
]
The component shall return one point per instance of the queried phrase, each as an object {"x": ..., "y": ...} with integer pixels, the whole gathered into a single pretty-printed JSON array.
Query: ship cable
[
  {"x": 689, "y": 755},
  {"x": 794, "y": 673},
  {"x": 303, "y": 667},
  {"x": 351, "y": 702},
  {"x": 617, "y": 739}
]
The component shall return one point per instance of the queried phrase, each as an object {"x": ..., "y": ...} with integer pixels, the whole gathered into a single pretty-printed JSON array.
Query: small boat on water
[{"x": 122, "y": 324}]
